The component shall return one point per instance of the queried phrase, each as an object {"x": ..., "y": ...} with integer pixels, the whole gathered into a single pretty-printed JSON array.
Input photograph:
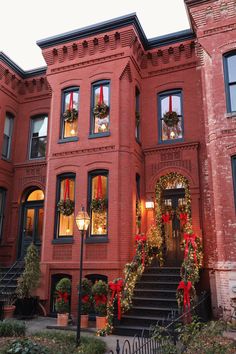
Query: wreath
[
  {"x": 171, "y": 118},
  {"x": 66, "y": 207},
  {"x": 101, "y": 110},
  {"x": 70, "y": 115},
  {"x": 98, "y": 205}
]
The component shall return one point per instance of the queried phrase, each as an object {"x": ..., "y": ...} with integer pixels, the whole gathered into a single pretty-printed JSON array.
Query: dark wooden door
[{"x": 173, "y": 198}]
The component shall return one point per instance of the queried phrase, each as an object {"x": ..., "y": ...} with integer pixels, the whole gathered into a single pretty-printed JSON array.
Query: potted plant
[
  {"x": 100, "y": 292},
  {"x": 86, "y": 297},
  {"x": 28, "y": 282},
  {"x": 62, "y": 305},
  {"x": 9, "y": 307}
]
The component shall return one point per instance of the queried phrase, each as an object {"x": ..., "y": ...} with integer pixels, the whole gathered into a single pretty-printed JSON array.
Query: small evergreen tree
[{"x": 30, "y": 278}]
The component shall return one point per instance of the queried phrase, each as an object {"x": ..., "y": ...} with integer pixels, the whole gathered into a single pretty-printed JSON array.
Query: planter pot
[
  {"x": 62, "y": 319},
  {"x": 8, "y": 311},
  {"x": 84, "y": 321},
  {"x": 100, "y": 322}
]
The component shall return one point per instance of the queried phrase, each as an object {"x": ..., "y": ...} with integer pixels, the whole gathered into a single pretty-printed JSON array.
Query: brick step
[
  {"x": 161, "y": 285},
  {"x": 131, "y": 331},
  {"x": 153, "y": 293},
  {"x": 155, "y": 302},
  {"x": 160, "y": 277},
  {"x": 142, "y": 321},
  {"x": 151, "y": 311},
  {"x": 162, "y": 270}
]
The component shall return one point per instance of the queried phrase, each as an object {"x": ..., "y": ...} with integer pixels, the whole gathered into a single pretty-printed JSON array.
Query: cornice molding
[{"x": 172, "y": 148}]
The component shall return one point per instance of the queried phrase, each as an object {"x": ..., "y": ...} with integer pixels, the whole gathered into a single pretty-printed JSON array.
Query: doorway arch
[{"x": 32, "y": 215}]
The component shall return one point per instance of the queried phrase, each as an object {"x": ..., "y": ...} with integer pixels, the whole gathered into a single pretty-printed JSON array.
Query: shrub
[
  {"x": 92, "y": 345},
  {"x": 26, "y": 346},
  {"x": 12, "y": 328},
  {"x": 30, "y": 278},
  {"x": 86, "y": 294},
  {"x": 100, "y": 292},
  {"x": 63, "y": 289}
]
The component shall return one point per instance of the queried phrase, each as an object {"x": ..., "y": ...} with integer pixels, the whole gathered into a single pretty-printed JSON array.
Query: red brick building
[{"x": 119, "y": 153}]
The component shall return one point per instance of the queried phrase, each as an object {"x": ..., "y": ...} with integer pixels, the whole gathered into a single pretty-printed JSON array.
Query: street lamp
[{"x": 82, "y": 220}]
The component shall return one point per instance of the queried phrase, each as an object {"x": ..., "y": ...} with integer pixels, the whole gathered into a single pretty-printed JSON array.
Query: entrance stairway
[
  {"x": 154, "y": 301},
  {"x": 8, "y": 279}
]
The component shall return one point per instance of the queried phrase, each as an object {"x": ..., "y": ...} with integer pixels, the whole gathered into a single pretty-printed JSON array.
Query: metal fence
[{"x": 154, "y": 345}]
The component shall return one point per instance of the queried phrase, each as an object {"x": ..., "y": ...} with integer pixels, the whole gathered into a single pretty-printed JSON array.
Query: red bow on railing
[
  {"x": 186, "y": 287},
  {"x": 100, "y": 299},
  {"x": 116, "y": 289},
  {"x": 183, "y": 218},
  {"x": 85, "y": 298},
  {"x": 62, "y": 296},
  {"x": 165, "y": 218},
  {"x": 142, "y": 239},
  {"x": 190, "y": 238}
]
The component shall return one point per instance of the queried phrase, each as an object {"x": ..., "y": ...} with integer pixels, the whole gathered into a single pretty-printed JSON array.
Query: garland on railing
[{"x": 191, "y": 243}]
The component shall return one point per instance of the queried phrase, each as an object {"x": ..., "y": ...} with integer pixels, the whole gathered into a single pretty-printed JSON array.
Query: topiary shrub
[
  {"x": 12, "y": 328},
  {"x": 26, "y": 346},
  {"x": 86, "y": 294},
  {"x": 100, "y": 292},
  {"x": 63, "y": 290}
]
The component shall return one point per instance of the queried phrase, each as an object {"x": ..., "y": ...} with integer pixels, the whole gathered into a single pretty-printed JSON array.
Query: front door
[
  {"x": 32, "y": 226},
  {"x": 172, "y": 200}
]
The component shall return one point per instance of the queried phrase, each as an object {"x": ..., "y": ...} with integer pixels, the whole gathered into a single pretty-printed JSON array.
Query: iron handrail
[{"x": 9, "y": 280}]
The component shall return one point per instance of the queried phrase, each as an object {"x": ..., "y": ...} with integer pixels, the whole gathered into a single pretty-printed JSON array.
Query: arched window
[
  {"x": 100, "y": 114},
  {"x": 65, "y": 205},
  {"x": 37, "y": 194},
  {"x": 170, "y": 114},
  {"x": 98, "y": 203},
  {"x": 70, "y": 113},
  {"x": 230, "y": 80}
]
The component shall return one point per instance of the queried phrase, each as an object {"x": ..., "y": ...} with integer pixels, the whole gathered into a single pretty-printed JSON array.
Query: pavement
[{"x": 49, "y": 323}]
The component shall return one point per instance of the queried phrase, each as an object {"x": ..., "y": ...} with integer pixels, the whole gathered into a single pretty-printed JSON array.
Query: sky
[{"x": 23, "y": 22}]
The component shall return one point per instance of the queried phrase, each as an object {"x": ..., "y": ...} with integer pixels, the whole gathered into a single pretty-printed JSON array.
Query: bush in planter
[
  {"x": 86, "y": 294},
  {"x": 100, "y": 292},
  {"x": 28, "y": 282},
  {"x": 63, "y": 290}
]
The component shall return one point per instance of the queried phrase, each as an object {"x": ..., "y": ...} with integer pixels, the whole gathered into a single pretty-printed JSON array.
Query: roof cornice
[
  {"x": 196, "y": 2},
  {"x": 24, "y": 74},
  {"x": 115, "y": 24}
]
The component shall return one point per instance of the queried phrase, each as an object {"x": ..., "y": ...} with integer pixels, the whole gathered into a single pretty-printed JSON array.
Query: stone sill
[{"x": 231, "y": 115}]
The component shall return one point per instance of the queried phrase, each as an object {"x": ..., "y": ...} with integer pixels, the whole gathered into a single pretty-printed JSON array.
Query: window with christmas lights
[
  {"x": 100, "y": 122},
  {"x": 98, "y": 203},
  {"x": 170, "y": 116},
  {"x": 137, "y": 114},
  {"x": 230, "y": 80},
  {"x": 65, "y": 205},
  {"x": 70, "y": 112},
  {"x": 7, "y": 136}
]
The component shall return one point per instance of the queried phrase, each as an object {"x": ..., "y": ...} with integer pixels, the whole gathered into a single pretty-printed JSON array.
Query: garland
[
  {"x": 70, "y": 115},
  {"x": 191, "y": 244},
  {"x": 171, "y": 119}
]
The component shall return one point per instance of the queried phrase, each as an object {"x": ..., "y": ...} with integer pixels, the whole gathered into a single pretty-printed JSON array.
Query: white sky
[{"x": 23, "y": 22}]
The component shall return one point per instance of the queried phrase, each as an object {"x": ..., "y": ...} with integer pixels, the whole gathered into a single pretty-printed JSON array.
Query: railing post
[{"x": 117, "y": 347}]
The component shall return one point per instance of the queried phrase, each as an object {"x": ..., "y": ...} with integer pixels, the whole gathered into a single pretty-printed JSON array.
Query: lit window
[
  {"x": 230, "y": 81},
  {"x": 38, "y": 137},
  {"x": 100, "y": 108},
  {"x": 70, "y": 112},
  {"x": 171, "y": 117},
  {"x": 98, "y": 203},
  {"x": 7, "y": 136},
  {"x": 65, "y": 205},
  {"x": 2, "y": 207}
]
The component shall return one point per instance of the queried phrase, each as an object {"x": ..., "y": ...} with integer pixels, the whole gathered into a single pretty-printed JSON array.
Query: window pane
[
  {"x": 171, "y": 103},
  {"x": 232, "y": 68},
  {"x": 70, "y": 129},
  {"x": 38, "y": 147},
  {"x": 5, "y": 146},
  {"x": 99, "y": 205},
  {"x": 75, "y": 96},
  {"x": 232, "y": 92},
  {"x": 29, "y": 224},
  {"x": 70, "y": 125},
  {"x": 101, "y": 122},
  {"x": 67, "y": 191},
  {"x": 36, "y": 195},
  {"x": 7, "y": 127},
  {"x": 39, "y": 127}
]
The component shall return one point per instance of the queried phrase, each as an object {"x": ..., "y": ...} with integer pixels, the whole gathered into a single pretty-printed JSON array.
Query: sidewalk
[{"x": 49, "y": 323}]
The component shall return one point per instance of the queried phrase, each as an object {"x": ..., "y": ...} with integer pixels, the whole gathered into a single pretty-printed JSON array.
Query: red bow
[
  {"x": 85, "y": 298},
  {"x": 166, "y": 217},
  {"x": 116, "y": 289},
  {"x": 186, "y": 287},
  {"x": 183, "y": 218},
  {"x": 100, "y": 299},
  {"x": 62, "y": 296},
  {"x": 190, "y": 238},
  {"x": 142, "y": 239}
]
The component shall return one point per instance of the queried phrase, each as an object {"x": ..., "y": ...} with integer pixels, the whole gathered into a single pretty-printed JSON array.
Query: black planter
[{"x": 27, "y": 308}]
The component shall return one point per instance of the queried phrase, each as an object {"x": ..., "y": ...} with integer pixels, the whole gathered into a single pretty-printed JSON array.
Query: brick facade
[{"x": 118, "y": 51}]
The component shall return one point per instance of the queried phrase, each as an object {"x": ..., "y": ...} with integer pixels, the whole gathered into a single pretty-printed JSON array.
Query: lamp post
[{"x": 82, "y": 221}]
